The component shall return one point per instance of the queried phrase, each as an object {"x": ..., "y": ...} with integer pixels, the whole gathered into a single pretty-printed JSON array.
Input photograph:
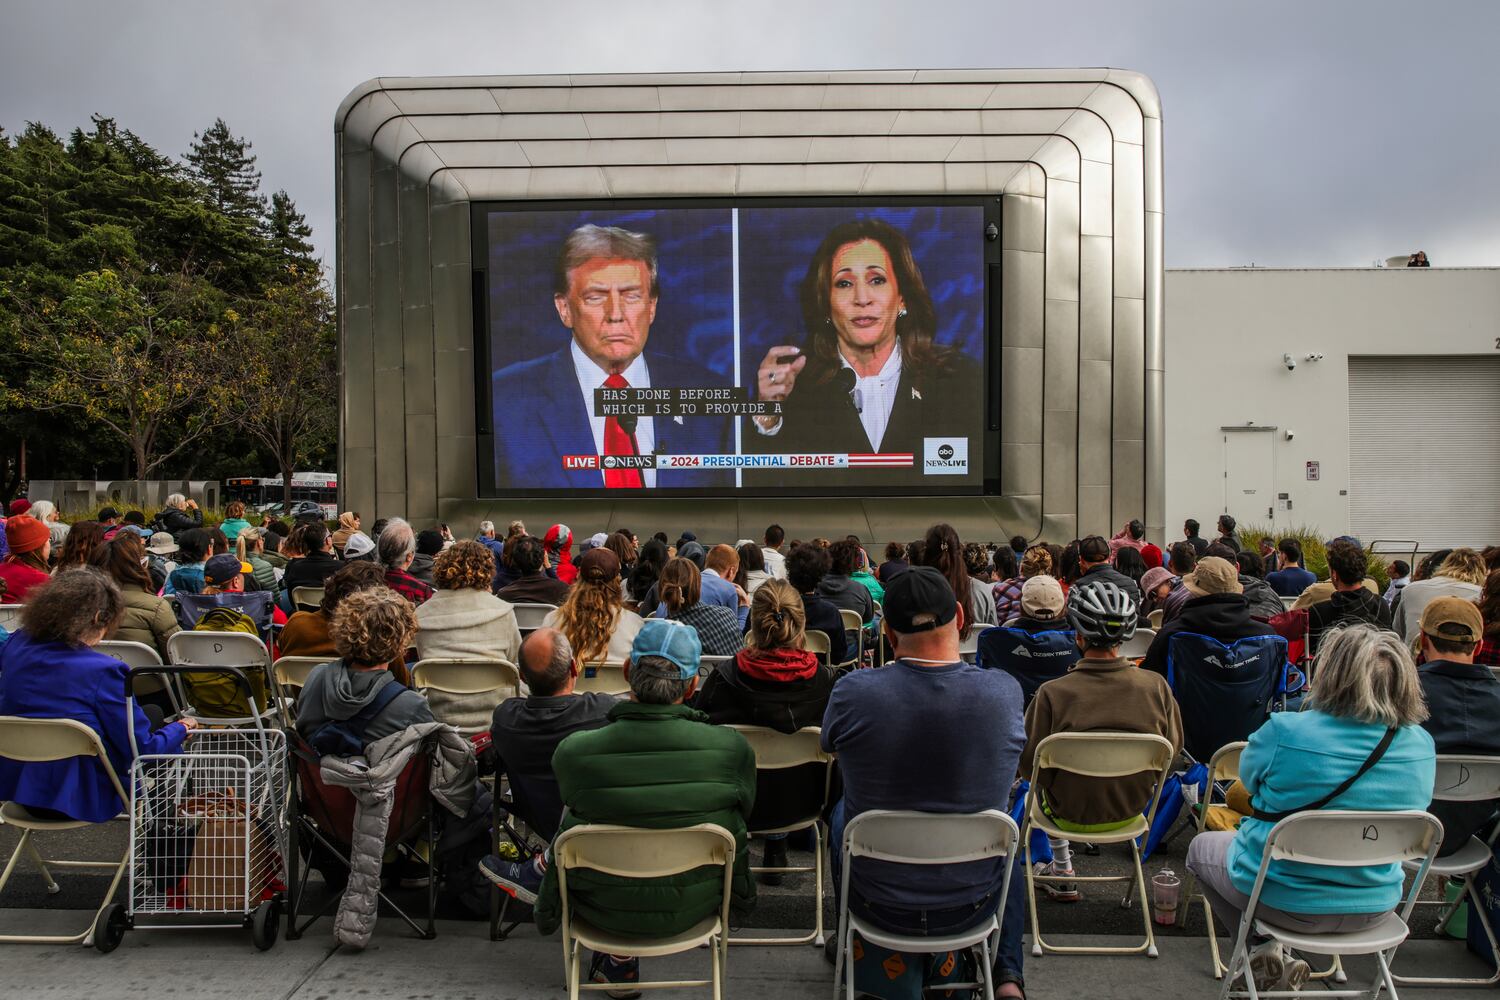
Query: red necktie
[{"x": 619, "y": 441}]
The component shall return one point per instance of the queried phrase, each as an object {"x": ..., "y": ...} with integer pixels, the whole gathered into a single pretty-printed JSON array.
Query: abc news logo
[
  {"x": 596, "y": 462},
  {"x": 945, "y": 456}
]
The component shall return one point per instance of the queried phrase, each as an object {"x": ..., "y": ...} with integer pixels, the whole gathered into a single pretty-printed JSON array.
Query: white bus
[{"x": 268, "y": 494}]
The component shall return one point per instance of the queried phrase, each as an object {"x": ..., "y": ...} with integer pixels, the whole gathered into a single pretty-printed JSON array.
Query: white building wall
[{"x": 1227, "y": 331}]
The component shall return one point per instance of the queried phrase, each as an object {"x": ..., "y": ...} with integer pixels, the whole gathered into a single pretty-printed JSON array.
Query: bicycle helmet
[
  {"x": 1101, "y": 613},
  {"x": 308, "y": 510}
]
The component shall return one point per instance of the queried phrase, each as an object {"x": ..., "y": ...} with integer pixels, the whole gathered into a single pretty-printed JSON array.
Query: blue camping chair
[
  {"x": 1032, "y": 658},
  {"x": 1225, "y": 692},
  {"x": 254, "y": 603}
]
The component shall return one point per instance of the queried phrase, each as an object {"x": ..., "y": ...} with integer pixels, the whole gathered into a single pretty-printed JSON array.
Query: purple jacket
[{"x": 51, "y": 680}]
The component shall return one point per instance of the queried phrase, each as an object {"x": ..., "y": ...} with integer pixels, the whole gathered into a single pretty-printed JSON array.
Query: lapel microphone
[{"x": 848, "y": 383}]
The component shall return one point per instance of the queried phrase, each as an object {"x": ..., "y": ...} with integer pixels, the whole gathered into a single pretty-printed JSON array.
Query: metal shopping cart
[{"x": 208, "y": 832}]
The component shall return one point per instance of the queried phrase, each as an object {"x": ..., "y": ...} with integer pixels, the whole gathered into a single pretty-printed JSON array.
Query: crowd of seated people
[{"x": 1412, "y": 660}]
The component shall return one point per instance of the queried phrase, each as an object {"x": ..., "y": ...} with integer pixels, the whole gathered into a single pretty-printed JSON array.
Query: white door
[{"x": 1249, "y": 479}]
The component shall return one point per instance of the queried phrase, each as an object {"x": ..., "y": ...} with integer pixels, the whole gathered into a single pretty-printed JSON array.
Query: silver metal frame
[{"x": 1073, "y": 154}]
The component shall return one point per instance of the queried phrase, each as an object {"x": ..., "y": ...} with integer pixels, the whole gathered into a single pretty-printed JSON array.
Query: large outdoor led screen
[{"x": 755, "y": 348}]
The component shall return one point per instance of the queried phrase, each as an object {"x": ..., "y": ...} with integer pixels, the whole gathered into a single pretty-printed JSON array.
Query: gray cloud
[{"x": 1297, "y": 133}]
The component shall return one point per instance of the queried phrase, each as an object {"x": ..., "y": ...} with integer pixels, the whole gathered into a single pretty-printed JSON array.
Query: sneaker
[
  {"x": 521, "y": 879},
  {"x": 608, "y": 969},
  {"x": 1058, "y": 892},
  {"x": 773, "y": 856},
  {"x": 1295, "y": 974},
  {"x": 1268, "y": 965}
]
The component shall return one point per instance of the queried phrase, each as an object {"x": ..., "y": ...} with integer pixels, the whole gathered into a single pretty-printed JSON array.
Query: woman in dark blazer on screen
[{"x": 869, "y": 377}]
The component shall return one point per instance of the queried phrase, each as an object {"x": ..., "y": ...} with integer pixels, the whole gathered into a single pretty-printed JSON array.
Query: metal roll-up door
[{"x": 1424, "y": 449}]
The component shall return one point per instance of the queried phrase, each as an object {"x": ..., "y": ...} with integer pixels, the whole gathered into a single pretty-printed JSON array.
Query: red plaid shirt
[
  {"x": 1007, "y": 599},
  {"x": 1489, "y": 652},
  {"x": 407, "y": 586}
]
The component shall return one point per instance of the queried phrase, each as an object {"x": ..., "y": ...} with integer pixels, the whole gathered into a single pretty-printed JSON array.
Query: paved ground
[{"x": 461, "y": 964}]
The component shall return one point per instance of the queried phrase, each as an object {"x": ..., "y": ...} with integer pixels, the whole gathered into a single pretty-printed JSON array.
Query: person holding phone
[{"x": 869, "y": 378}]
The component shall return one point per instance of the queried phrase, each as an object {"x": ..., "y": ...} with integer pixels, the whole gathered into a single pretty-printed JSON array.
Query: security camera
[
  {"x": 992, "y": 232},
  {"x": 1289, "y": 361}
]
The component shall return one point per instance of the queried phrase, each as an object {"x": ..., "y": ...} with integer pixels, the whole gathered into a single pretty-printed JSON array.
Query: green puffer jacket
[{"x": 657, "y": 766}]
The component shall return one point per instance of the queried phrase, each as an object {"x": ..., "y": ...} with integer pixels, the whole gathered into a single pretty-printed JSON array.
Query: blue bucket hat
[{"x": 670, "y": 640}]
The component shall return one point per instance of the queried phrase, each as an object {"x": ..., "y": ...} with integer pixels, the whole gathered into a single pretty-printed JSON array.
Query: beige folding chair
[
  {"x": 39, "y": 741},
  {"x": 1345, "y": 839},
  {"x": 1135, "y": 647},
  {"x": 529, "y": 617},
  {"x": 635, "y": 853},
  {"x": 968, "y": 649},
  {"x": 921, "y": 838},
  {"x": 1462, "y": 778},
  {"x": 136, "y": 655},
  {"x": 816, "y": 641},
  {"x": 10, "y": 617},
  {"x": 776, "y": 751},
  {"x": 1224, "y": 767},
  {"x": 1156, "y": 617},
  {"x": 292, "y": 673},
  {"x": 1097, "y": 755},
  {"x": 854, "y": 623},
  {"x": 602, "y": 677},
  {"x": 449, "y": 683},
  {"x": 225, "y": 649},
  {"x": 307, "y": 598}
]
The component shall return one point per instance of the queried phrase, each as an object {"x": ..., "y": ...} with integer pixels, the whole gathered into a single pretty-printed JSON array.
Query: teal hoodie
[
  {"x": 232, "y": 527},
  {"x": 1295, "y": 759}
]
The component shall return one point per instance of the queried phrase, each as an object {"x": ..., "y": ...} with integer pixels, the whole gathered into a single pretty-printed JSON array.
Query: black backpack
[{"x": 346, "y": 737}]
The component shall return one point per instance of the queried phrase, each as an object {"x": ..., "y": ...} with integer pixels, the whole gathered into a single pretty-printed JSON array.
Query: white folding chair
[
  {"x": 776, "y": 751},
  {"x": 1345, "y": 839},
  {"x": 854, "y": 623},
  {"x": 453, "y": 684},
  {"x": 1462, "y": 778},
  {"x": 602, "y": 677},
  {"x": 1097, "y": 755},
  {"x": 1287, "y": 602},
  {"x": 968, "y": 649},
  {"x": 921, "y": 838},
  {"x": 10, "y": 617},
  {"x": 1224, "y": 767},
  {"x": 707, "y": 664},
  {"x": 224, "y": 649},
  {"x": 636, "y": 853},
  {"x": 38, "y": 741},
  {"x": 137, "y": 655},
  {"x": 529, "y": 617},
  {"x": 307, "y": 598},
  {"x": 1135, "y": 647}
]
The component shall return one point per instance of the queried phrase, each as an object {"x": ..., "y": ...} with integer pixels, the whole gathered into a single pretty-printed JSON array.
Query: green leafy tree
[
  {"x": 134, "y": 352},
  {"x": 289, "y": 387},
  {"x": 222, "y": 162}
]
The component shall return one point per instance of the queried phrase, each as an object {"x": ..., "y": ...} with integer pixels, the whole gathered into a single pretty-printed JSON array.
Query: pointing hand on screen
[{"x": 775, "y": 378}]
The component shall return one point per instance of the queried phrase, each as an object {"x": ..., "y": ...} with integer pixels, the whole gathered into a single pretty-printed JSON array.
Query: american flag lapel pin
[{"x": 915, "y": 394}]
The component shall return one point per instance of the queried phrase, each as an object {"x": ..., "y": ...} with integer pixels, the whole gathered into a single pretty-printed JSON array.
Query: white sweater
[{"x": 467, "y": 624}]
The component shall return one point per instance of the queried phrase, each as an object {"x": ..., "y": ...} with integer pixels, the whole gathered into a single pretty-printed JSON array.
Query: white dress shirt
[{"x": 591, "y": 377}]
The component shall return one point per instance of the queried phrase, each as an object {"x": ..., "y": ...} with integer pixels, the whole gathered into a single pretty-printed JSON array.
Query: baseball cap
[
  {"x": 1213, "y": 576},
  {"x": 1042, "y": 598},
  {"x": 599, "y": 565},
  {"x": 1454, "y": 619},
  {"x": 920, "y": 592},
  {"x": 223, "y": 568},
  {"x": 670, "y": 640},
  {"x": 358, "y": 544}
]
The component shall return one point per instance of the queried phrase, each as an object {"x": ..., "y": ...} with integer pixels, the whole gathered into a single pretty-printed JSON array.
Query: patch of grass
[{"x": 1314, "y": 552}]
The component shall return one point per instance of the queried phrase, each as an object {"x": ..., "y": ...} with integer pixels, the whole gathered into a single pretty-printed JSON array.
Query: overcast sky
[{"x": 1311, "y": 132}]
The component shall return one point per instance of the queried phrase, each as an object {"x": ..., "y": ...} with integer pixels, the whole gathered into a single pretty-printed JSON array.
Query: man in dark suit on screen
[{"x": 605, "y": 290}]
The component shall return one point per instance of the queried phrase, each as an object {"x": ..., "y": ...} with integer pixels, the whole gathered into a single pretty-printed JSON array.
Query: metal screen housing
[{"x": 1074, "y": 156}]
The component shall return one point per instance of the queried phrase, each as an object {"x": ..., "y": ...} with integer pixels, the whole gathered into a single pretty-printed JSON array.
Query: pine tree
[
  {"x": 290, "y": 236},
  {"x": 223, "y": 164}
]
